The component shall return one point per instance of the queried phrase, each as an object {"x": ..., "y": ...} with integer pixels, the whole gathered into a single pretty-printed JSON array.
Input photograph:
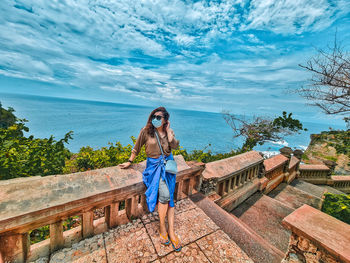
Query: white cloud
[
  {"x": 293, "y": 16},
  {"x": 181, "y": 51}
]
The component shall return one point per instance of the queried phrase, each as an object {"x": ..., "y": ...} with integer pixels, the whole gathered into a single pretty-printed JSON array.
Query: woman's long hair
[{"x": 149, "y": 126}]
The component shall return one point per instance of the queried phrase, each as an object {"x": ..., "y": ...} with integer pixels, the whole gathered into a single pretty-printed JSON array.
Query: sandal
[
  {"x": 177, "y": 243},
  {"x": 164, "y": 239}
]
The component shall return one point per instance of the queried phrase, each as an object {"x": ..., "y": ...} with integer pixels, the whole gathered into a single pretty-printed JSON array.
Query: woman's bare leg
[
  {"x": 171, "y": 215},
  {"x": 162, "y": 211}
]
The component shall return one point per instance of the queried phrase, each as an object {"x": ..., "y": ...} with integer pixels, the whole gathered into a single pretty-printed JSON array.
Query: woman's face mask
[{"x": 157, "y": 123}]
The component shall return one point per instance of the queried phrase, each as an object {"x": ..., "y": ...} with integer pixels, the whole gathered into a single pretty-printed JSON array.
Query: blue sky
[{"x": 240, "y": 56}]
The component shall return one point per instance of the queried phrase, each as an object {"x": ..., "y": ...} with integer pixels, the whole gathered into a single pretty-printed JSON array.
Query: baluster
[
  {"x": 144, "y": 204},
  {"x": 87, "y": 224},
  {"x": 111, "y": 214},
  {"x": 131, "y": 207},
  {"x": 221, "y": 189},
  {"x": 179, "y": 190},
  {"x": 226, "y": 186},
  {"x": 192, "y": 183},
  {"x": 56, "y": 236},
  {"x": 245, "y": 177},
  {"x": 230, "y": 184},
  {"x": 14, "y": 248}
]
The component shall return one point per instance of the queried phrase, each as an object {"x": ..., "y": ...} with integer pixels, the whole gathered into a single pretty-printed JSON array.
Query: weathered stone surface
[
  {"x": 189, "y": 253},
  {"x": 319, "y": 167},
  {"x": 129, "y": 243},
  {"x": 189, "y": 226},
  {"x": 294, "y": 197},
  {"x": 309, "y": 188},
  {"x": 264, "y": 215},
  {"x": 88, "y": 250},
  {"x": 138, "y": 241},
  {"x": 184, "y": 205},
  {"x": 274, "y": 162},
  {"x": 293, "y": 161},
  {"x": 67, "y": 190},
  {"x": 227, "y": 166},
  {"x": 315, "y": 227},
  {"x": 218, "y": 247},
  {"x": 255, "y": 246}
]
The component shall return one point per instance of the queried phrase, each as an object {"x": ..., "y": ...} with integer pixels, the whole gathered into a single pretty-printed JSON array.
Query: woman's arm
[
  {"x": 171, "y": 139},
  {"x": 141, "y": 139}
]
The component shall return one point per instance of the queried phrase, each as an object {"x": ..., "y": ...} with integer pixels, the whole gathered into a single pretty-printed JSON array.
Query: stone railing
[
  {"x": 293, "y": 169},
  {"x": 275, "y": 168},
  {"x": 224, "y": 181},
  {"x": 316, "y": 237},
  {"x": 314, "y": 173},
  {"x": 29, "y": 203},
  {"x": 320, "y": 174},
  {"x": 283, "y": 167},
  {"x": 341, "y": 182}
]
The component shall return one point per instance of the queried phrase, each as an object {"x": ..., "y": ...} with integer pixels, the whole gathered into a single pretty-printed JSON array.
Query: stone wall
[
  {"x": 316, "y": 237},
  {"x": 303, "y": 250}
]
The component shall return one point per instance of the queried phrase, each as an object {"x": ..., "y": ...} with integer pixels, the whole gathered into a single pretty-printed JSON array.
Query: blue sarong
[{"x": 155, "y": 168}]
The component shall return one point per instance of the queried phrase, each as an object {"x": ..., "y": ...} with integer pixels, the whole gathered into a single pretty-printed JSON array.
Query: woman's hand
[
  {"x": 167, "y": 126},
  {"x": 124, "y": 165}
]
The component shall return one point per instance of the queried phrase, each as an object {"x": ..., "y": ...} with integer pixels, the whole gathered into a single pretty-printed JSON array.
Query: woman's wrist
[{"x": 130, "y": 161}]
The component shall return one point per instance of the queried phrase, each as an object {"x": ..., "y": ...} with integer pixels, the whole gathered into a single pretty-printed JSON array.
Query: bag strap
[{"x": 156, "y": 132}]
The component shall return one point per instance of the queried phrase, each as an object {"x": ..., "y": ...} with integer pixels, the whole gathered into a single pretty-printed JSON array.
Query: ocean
[{"x": 96, "y": 123}]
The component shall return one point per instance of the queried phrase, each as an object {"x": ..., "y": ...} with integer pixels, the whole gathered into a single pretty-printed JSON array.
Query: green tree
[
  {"x": 260, "y": 129},
  {"x": 7, "y": 118},
  {"x": 22, "y": 156}
]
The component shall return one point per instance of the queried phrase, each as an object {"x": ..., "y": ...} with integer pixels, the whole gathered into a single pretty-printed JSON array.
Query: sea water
[{"x": 96, "y": 123}]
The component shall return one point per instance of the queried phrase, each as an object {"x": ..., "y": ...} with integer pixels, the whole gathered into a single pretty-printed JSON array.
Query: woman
[{"x": 159, "y": 183}]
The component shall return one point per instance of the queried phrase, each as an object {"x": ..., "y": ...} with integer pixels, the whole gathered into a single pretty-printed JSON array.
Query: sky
[{"x": 238, "y": 56}]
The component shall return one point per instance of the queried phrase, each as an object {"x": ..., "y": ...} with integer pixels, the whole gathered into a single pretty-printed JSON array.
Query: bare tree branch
[{"x": 329, "y": 86}]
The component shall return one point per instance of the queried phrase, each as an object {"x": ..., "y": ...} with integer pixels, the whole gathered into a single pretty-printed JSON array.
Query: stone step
[
  {"x": 333, "y": 190},
  {"x": 264, "y": 215},
  {"x": 309, "y": 188},
  {"x": 294, "y": 197},
  {"x": 256, "y": 247}
]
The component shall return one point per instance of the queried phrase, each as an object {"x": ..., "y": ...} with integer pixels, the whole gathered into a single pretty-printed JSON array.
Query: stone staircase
[{"x": 263, "y": 213}]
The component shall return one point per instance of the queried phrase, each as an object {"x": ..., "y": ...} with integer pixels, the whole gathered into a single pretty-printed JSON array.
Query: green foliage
[
  {"x": 338, "y": 139},
  {"x": 202, "y": 156},
  {"x": 89, "y": 159},
  {"x": 39, "y": 234},
  {"x": 22, "y": 157},
  {"x": 288, "y": 122},
  {"x": 43, "y": 233},
  {"x": 7, "y": 118},
  {"x": 261, "y": 130},
  {"x": 338, "y": 206}
]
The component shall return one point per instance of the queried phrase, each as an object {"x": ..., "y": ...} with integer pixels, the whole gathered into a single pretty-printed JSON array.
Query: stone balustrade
[
  {"x": 230, "y": 181},
  {"x": 341, "y": 182},
  {"x": 275, "y": 168},
  {"x": 314, "y": 173},
  {"x": 316, "y": 237},
  {"x": 320, "y": 174},
  {"x": 29, "y": 203}
]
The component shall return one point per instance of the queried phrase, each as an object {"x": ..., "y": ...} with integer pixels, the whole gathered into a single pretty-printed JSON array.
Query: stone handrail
[
  {"x": 316, "y": 236},
  {"x": 223, "y": 178},
  {"x": 275, "y": 171},
  {"x": 341, "y": 182},
  {"x": 314, "y": 173},
  {"x": 29, "y": 203}
]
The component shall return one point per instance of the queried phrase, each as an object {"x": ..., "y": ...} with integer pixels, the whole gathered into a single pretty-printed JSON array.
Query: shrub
[{"x": 338, "y": 206}]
